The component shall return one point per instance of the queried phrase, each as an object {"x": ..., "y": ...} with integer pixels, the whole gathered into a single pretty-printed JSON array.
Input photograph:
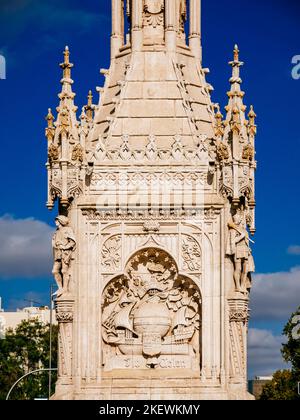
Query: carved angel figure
[{"x": 64, "y": 245}]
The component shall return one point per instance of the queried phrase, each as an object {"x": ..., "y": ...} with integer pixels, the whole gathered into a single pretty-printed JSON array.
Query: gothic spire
[
  {"x": 89, "y": 108},
  {"x": 236, "y": 108},
  {"x": 67, "y": 110}
]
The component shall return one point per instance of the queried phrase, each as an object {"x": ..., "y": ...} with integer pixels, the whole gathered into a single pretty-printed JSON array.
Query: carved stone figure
[
  {"x": 53, "y": 153},
  {"x": 77, "y": 153},
  {"x": 63, "y": 244},
  {"x": 248, "y": 152},
  {"x": 238, "y": 248},
  {"x": 222, "y": 151},
  {"x": 152, "y": 316}
]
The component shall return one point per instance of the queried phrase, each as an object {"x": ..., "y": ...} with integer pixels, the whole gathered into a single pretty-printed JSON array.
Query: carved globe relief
[{"x": 151, "y": 312}]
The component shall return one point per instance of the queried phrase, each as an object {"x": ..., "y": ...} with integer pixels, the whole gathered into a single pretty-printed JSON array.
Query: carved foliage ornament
[
  {"x": 191, "y": 254},
  {"x": 248, "y": 152},
  {"x": 111, "y": 254},
  {"x": 53, "y": 153},
  {"x": 64, "y": 316},
  {"x": 77, "y": 153}
]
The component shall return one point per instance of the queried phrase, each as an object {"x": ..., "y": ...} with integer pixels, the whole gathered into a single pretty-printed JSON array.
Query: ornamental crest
[{"x": 152, "y": 315}]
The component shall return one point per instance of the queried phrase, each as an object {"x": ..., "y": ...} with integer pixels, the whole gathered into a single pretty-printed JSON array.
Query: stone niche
[{"x": 151, "y": 317}]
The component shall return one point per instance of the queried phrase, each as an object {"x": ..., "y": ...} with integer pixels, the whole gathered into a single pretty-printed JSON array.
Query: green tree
[
  {"x": 23, "y": 350},
  {"x": 284, "y": 385},
  {"x": 280, "y": 388},
  {"x": 291, "y": 350}
]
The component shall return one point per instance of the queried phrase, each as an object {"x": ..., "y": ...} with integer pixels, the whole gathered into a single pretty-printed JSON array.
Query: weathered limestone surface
[{"x": 155, "y": 194}]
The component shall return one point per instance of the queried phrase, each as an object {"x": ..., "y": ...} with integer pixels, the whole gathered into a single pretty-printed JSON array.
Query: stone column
[
  {"x": 64, "y": 307},
  {"x": 137, "y": 25},
  {"x": 117, "y": 36},
  {"x": 170, "y": 25},
  {"x": 195, "y": 28},
  {"x": 238, "y": 325}
]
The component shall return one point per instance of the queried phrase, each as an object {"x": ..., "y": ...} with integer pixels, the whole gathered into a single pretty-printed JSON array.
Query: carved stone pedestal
[
  {"x": 64, "y": 306},
  {"x": 238, "y": 328}
]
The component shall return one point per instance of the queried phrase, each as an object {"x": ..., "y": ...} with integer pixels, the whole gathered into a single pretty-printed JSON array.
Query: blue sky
[{"x": 33, "y": 34}]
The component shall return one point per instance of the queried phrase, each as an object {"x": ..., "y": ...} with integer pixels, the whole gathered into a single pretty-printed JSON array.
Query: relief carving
[
  {"x": 248, "y": 152},
  {"x": 152, "y": 315},
  {"x": 191, "y": 254},
  {"x": 53, "y": 153},
  {"x": 111, "y": 254},
  {"x": 153, "y": 13},
  {"x": 222, "y": 151},
  {"x": 77, "y": 153}
]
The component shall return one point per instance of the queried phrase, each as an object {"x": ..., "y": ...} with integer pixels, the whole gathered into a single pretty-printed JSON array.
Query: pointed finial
[
  {"x": 67, "y": 55},
  {"x": 90, "y": 98},
  {"x": 83, "y": 114},
  {"x": 218, "y": 111},
  {"x": 89, "y": 107},
  {"x": 252, "y": 115},
  {"x": 50, "y": 118},
  {"x": 252, "y": 126},
  {"x": 219, "y": 128},
  {"x": 66, "y": 65},
  {"x": 236, "y": 53}
]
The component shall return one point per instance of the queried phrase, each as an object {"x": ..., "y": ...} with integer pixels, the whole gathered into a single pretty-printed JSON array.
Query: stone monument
[{"x": 155, "y": 193}]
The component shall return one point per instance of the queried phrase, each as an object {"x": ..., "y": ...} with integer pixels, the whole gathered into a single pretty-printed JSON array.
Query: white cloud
[
  {"x": 25, "y": 248},
  {"x": 294, "y": 250},
  {"x": 275, "y": 296},
  {"x": 264, "y": 356}
]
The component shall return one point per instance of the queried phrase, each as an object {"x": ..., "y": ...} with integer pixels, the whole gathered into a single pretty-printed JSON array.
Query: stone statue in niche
[
  {"x": 239, "y": 249},
  {"x": 151, "y": 316},
  {"x": 63, "y": 244}
]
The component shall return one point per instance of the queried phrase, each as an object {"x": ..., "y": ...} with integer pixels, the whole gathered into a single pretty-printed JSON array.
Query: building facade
[
  {"x": 11, "y": 320},
  {"x": 156, "y": 198}
]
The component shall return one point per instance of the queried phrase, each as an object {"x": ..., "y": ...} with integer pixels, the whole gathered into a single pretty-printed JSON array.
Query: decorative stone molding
[
  {"x": 164, "y": 214},
  {"x": 64, "y": 317},
  {"x": 239, "y": 316},
  {"x": 151, "y": 226},
  {"x": 64, "y": 309},
  {"x": 151, "y": 153}
]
